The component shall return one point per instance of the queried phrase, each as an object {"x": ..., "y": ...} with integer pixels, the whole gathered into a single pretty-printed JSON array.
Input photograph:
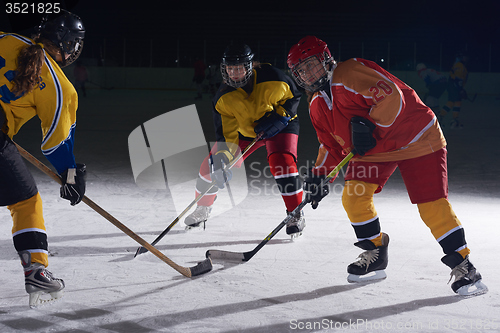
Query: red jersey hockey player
[{"x": 358, "y": 106}]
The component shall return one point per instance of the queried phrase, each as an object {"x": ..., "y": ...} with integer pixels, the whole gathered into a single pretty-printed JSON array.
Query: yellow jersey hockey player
[
  {"x": 32, "y": 83},
  {"x": 456, "y": 91},
  {"x": 254, "y": 98}
]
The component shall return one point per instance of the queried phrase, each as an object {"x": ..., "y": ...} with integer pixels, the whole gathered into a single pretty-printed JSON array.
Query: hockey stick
[
  {"x": 198, "y": 197},
  {"x": 246, "y": 256},
  {"x": 201, "y": 268}
]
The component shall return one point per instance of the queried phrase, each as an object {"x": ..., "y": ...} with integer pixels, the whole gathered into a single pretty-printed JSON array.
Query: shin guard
[
  {"x": 439, "y": 216},
  {"x": 28, "y": 231},
  {"x": 357, "y": 199},
  {"x": 285, "y": 172}
]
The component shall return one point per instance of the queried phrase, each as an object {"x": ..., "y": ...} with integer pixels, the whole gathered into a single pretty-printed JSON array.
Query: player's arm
[
  {"x": 284, "y": 107},
  {"x": 289, "y": 103},
  {"x": 386, "y": 101},
  {"x": 326, "y": 161},
  {"x": 58, "y": 122},
  {"x": 368, "y": 89},
  {"x": 226, "y": 132},
  {"x": 58, "y": 128}
]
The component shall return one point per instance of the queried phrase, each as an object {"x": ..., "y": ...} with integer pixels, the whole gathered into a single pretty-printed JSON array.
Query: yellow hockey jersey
[
  {"x": 54, "y": 101},
  {"x": 236, "y": 112}
]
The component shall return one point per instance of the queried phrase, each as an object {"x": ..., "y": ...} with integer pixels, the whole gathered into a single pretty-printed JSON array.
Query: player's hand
[
  {"x": 362, "y": 135},
  {"x": 219, "y": 161},
  {"x": 74, "y": 183},
  {"x": 271, "y": 124},
  {"x": 313, "y": 190}
]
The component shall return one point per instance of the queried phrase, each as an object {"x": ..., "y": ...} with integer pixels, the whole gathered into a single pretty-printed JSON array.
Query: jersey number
[
  {"x": 5, "y": 94},
  {"x": 381, "y": 90}
]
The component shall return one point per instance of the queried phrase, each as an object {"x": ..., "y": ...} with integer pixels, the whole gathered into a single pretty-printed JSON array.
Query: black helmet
[
  {"x": 67, "y": 32},
  {"x": 237, "y": 54}
]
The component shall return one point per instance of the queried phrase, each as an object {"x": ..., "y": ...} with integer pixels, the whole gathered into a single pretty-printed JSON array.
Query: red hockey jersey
[{"x": 405, "y": 126}]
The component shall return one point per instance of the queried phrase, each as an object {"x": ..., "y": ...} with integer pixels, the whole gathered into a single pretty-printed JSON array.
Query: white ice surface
[{"x": 288, "y": 286}]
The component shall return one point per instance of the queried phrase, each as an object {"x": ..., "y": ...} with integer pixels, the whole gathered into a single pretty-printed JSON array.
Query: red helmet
[{"x": 305, "y": 49}]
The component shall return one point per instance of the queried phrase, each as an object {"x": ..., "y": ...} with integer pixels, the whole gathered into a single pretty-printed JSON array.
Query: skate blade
[
  {"x": 200, "y": 226},
  {"x": 369, "y": 277},
  {"x": 40, "y": 298},
  {"x": 295, "y": 235},
  {"x": 474, "y": 289}
]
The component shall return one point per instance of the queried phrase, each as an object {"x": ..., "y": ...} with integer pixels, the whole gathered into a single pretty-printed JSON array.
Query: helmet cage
[
  {"x": 247, "y": 67},
  {"x": 76, "y": 46},
  {"x": 237, "y": 58},
  {"x": 313, "y": 72}
]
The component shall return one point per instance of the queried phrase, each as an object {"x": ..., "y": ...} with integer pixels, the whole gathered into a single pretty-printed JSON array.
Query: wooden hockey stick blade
[
  {"x": 246, "y": 256},
  {"x": 142, "y": 250},
  {"x": 201, "y": 268}
]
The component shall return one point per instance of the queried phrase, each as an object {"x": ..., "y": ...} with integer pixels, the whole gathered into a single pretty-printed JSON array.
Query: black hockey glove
[
  {"x": 219, "y": 174},
  {"x": 362, "y": 135},
  {"x": 271, "y": 124},
  {"x": 313, "y": 190},
  {"x": 73, "y": 188}
]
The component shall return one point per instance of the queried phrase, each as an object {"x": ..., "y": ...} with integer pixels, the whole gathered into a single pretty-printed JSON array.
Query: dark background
[{"x": 175, "y": 33}]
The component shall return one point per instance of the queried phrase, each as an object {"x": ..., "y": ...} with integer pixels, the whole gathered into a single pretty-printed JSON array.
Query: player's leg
[
  {"x": 426, "y": 179},
  {"x": 282, "y": 159},
  {"x": 19, "y": 193},
  {"x": 363, "y": 180}
]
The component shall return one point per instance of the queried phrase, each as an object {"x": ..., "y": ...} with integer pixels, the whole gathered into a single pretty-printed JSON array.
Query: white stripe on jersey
[
  {"x": 59, "y": 103},
  {"x": 22, "y": 231}
]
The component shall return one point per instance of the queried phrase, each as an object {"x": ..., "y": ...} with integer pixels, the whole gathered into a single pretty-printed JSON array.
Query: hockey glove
[
  {"x": 219, "y": 161},
  {"x": 73, "y": 188},
  {"x": 313, "y": 190},
  {"x": 362, "y": 135},
  {"x": 271, "y": 124}
]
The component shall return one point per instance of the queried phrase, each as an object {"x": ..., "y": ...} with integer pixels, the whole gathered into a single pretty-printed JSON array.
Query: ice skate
[
  {"x": 198, "y": 217},
  {"x": 371, "y": 264},
  {"x": 39, "y": 282},
  {"x": 468, "y": 281},
  {"x": 295, "y": 226}
]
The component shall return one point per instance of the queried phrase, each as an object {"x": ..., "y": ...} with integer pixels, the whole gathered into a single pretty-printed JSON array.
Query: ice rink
[{"x": 289, "y": 286}]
